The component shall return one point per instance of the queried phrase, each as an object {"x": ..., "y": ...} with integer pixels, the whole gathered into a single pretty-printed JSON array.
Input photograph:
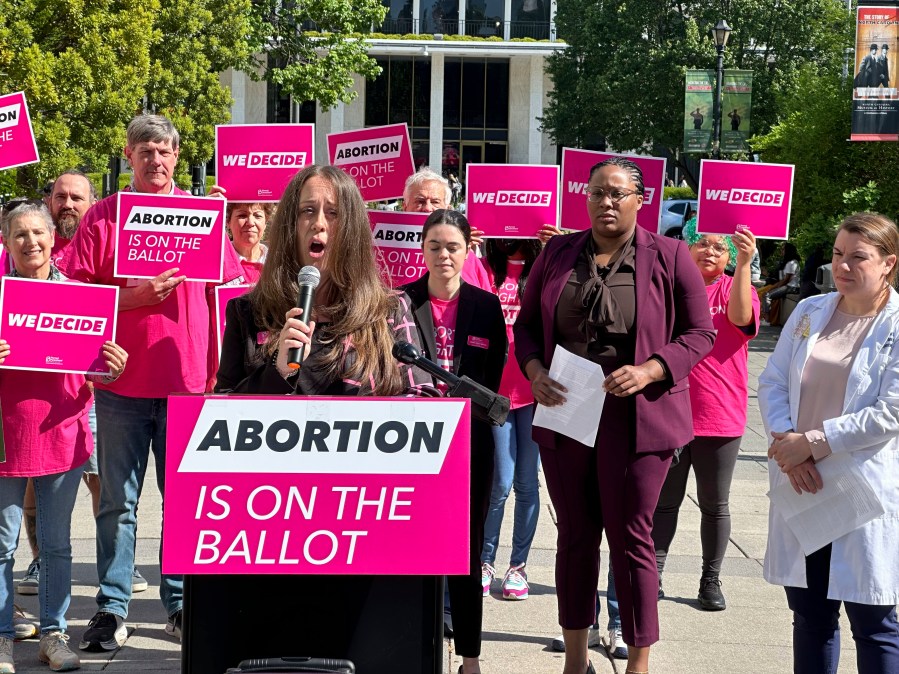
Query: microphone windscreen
[
  {"x": 406, "y": 352},
  {"x": 309, "y": 276}
]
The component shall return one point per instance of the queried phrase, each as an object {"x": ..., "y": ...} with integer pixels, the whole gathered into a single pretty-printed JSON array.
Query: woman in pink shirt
[
  {"x": 47, "y": 438},
  {"x": 246, "y": 225},
  {"x": 718, "y": 396}
]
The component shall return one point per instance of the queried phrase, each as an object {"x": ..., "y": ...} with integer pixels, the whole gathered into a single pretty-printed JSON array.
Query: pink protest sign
[
  {"x": 158, "y": 232},
  {"x": 275, "y": 484},
  {"x": 255, "y": 162},
  {"x": 55, "y": 326},
  {"x": 397, "y": 238},
  {"x": 512, "y": 200},
  {"x": 735, "y": 193},
  {"x": 17, "y": 144},
  {"x": 576, "y": 165},
  {"x": 223, "y": 295},
  {"x": 379, "y": 158}
]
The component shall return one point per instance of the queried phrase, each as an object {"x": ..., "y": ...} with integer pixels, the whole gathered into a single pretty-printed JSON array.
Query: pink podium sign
[
  {"x": 379, "y": 158},
  {"x": 275, "y": 484},
  {"x": 55, "y": 326},
  {"x": 735, "y": 193},
  {"x": 223, "y": 295},
  {"x": 512, "y": 200},
  {"x": 157, "y": 232},
  {"x": 397, "y": 238},
  {"x": 255, "y": 162},
  {"x": 17, "y": 144},
  {"x": 576, "y": 165}
]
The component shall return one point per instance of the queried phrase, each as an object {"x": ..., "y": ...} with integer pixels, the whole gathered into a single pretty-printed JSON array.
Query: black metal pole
[{"x": 716, "y": 131}]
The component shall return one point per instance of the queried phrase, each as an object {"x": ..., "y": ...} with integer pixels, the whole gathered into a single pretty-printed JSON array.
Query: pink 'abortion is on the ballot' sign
[
  {"x": 512, "y": 200},
  {"x": 275, "y": 485},
  {"x": 158, "y": 232},
  {"x": 57, "y": 326},
  {"x": 17, "y": 144},
  {"x": 733, "y": 193},
  {"x": 397, "y": 239},
  {"x": 255, "y": 162},
  {"x": 576, "y": 165},
  {"x": 378, "y": 158},
  {"x": 223, "y": 295}
]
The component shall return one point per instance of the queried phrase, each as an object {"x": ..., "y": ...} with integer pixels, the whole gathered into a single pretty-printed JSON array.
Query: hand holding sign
[
  {"x": 4, "y": 350},
  {"x": 152, "y": 291},
  {"x": 115, "y": 357},
  {"x": 744, "y": 241}
]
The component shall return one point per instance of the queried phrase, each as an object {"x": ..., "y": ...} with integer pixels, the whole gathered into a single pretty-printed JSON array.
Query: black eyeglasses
[{"x": 615, "y": 195}]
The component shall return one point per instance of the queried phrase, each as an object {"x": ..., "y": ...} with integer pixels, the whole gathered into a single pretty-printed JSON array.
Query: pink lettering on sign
[
  {"x": 158, "y": 232},
  {"x": 255, "y": 162},
  {"x": 379, "y": 158},
  {"x": 17, "y": 143},
  {"x": 576, "y": 165},
  {"x": 397, "y": 240},
  {"x": 57, "y": 326},
  {"x": 512, "y": 200},
  {"x": 265, "y": 484},
  {"x": 754, "y": 195}
]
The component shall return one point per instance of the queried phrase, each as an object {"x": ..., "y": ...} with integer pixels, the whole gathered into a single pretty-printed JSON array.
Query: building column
[
  {"x": 435, "y": 158},
  {"x": 553, "y": 6},
  {"x": 239, "y": 94},
  {"x": 535, "y": 110},
  {"x": 416, "y": 16},
  {"x": 461, "y": 17},
  {"x": 507, "y": 19}
]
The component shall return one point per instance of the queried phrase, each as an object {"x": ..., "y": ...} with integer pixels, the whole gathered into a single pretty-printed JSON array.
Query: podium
[{"x": 315, "y": 527}]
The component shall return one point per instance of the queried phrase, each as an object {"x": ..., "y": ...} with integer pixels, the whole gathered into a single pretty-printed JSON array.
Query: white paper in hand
[{"x": 578, "y": 417}]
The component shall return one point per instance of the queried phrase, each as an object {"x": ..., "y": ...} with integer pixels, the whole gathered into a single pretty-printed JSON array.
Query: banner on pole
[
  {"x": 875, "y": 101},
  {"x": 699, "y": 103},
  {"x": 736, "y": 107}
]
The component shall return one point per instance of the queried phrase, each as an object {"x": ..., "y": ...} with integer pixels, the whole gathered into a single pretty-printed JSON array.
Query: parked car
[{"x": 675, "y": 213}]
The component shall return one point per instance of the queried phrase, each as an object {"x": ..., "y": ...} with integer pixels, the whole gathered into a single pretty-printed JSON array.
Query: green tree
[
  {"x": 84, "y": 66},
  {"x": 622, "y": 76},
  {"x": 317, "y": 66}
]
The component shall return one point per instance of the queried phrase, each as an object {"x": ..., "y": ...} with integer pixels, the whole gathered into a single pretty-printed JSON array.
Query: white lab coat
[{"x": 864, "y": 564}]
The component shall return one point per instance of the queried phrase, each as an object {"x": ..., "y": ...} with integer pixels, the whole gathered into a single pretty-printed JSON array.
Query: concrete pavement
[{"x": 752, "y": 636}]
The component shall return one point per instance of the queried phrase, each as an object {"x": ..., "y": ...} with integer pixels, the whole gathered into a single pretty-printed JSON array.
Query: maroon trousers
[{"x": 608, "y": 486}]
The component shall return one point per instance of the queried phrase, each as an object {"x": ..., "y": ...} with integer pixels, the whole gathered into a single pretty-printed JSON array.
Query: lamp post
[{"x": 720, "y": 32}]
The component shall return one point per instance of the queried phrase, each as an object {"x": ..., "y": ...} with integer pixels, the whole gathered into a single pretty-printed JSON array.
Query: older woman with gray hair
[{"x": 47, "y": 439}]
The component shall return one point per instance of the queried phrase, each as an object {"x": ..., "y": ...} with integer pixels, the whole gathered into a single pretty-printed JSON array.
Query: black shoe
[
  {"x": 173, "y": 625},
  {"x": 590, "y": 669},
  {"x": 661, "y": 591},
  {"x": 710, "y": 597},
  {"x": 105, "y": 632}
]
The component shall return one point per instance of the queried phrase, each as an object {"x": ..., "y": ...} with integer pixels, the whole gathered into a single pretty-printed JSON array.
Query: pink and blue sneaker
[
  {"x": 488, "y": 573},
  {"x": 515, "y": 583}
]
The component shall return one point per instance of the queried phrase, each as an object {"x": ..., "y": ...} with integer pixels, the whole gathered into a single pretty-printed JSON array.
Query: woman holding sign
[
  {"x": 829, "y": 398},
  {"x": 462, "y": 329},
  {"x": 582, "y": 296},
  {"x": 246, "y": 225},
  {"x": 47, "y": 438}
]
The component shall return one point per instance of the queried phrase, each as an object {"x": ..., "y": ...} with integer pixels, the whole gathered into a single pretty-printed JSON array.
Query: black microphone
[
  {"x": 485, "y": 404},
  {"x": 308, "y": 280}
]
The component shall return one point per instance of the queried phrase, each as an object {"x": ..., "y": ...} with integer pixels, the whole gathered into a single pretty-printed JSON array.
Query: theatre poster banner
[
  {"x": 736, "y": 106},
  {"x": 699, "y": 99},
  {"x": 875, "y": 102}
]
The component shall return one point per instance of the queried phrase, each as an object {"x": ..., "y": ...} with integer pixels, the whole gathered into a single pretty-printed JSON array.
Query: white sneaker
[
  {"x": 54, "y": 650},
  {"x": 6, "y": 662},
  {"x": 488, "y": 573},
  {"x": 593, "y": 640},
  {"x": 617, "y": 647}
]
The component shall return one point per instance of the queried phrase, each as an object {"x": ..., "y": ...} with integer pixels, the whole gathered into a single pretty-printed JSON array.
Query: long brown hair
[{"x": 352, "y": 293}]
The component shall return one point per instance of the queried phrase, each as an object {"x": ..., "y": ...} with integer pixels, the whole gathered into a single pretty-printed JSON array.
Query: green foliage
[
  {"x": 622, "y": 78},
  {"x": 679, "y": 193},
  {"x": 316, "y": 68}
]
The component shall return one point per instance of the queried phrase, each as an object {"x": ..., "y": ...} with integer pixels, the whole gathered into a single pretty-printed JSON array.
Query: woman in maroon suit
[{"x": 634, "y": 303}]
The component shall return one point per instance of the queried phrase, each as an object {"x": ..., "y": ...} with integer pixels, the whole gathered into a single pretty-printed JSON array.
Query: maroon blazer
[{"x": 672, "y": 323}]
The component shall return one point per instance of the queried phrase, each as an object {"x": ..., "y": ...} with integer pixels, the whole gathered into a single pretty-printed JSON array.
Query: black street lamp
[{"x": 720, "y": 32}]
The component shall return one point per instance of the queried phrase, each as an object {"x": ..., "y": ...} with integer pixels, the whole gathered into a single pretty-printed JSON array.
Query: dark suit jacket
[
  {"x": 481, "y": 317},
  {"x": 672, "y": 323}
]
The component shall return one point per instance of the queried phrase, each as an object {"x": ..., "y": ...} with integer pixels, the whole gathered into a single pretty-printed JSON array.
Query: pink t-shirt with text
[
  {"x": 167, "y": 343},
  {"x": 444, "y": 313},
  {"x": 718, "y": 384}
]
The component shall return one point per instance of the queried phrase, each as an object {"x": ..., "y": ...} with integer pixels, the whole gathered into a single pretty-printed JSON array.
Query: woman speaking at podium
[{"x": 463, "y": 330}]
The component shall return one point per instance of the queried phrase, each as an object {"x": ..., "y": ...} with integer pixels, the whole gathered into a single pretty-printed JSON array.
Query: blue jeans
[
  {"x": 611, "y": 603},
  {"x": 816, "y": 626},
  {"x": 517, "y": 458},
  {"x": 55, "y": 495},
  {"x": 127, "y": 429}
]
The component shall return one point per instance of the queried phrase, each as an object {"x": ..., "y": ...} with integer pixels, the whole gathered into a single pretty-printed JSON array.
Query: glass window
[
  {"x": 421, "y": 104},
  {"x": 400, "y": 94},
  {"x": 377, "y": 96},
  {"x": 399, "y": 17},
  {"x": 473, "y": 86},
  {"x": 495, "y": 153},
  {"x": 484, "y": 18},
  {"x": 530, "y": 18},
  {"x": 452, "y": 91},
  {"x": 497, "y": 113},
  {"x": 439, "y": 16},
  {"x": 450, "y": 162},
  {"x": 421, "y": 152},
  {"x": 400, "y": 90}
]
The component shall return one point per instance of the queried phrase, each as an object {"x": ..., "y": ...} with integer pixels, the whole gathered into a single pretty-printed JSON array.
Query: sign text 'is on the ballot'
[
  {"x": 379, "y": 158},
  {"x": 398, "y": 246}
]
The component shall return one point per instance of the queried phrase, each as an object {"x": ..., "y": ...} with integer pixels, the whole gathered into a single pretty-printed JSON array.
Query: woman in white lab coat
[{"x": 832, "y": 387}]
